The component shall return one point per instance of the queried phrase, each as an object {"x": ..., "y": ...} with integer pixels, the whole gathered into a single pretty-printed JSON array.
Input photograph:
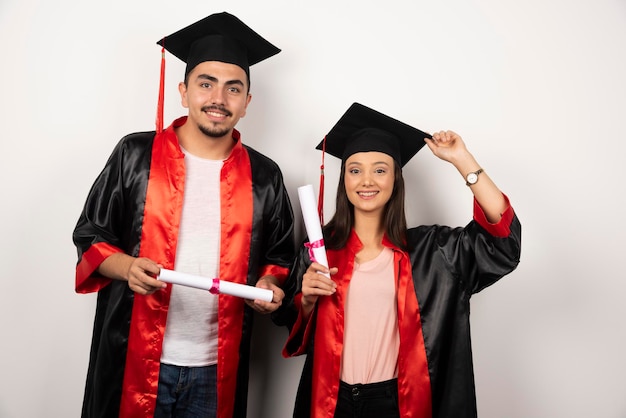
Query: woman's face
[{"x": 369, "y": 180}]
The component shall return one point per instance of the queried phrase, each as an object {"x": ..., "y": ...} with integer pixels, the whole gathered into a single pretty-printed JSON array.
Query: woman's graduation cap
[
  {"x": 218, "y": 37},
  {"x": 362, "y": 129}
]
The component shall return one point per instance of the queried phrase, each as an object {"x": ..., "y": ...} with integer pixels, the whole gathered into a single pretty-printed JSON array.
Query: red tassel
[
  {"x": 320, "y": 197},
  {"x": 159, "y": 115}
]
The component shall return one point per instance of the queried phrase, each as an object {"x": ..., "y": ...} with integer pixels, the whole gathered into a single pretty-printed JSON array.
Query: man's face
[{"x": 217, "y": 96}]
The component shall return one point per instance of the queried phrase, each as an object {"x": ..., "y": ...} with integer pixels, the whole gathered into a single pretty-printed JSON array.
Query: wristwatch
[{"x": 472, "y": 177}]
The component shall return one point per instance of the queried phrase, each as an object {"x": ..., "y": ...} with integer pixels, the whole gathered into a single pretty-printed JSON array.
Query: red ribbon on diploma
[
  {"x": 311, "y": 245},
  {"x": 215, "y": 288}
]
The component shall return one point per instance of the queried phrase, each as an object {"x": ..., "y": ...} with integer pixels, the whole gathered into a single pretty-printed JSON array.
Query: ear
[
  {"x": 247, "y": 103},
  {"x": 182, "y": 89}
]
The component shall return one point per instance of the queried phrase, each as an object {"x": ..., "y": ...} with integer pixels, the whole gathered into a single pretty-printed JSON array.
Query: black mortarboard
[
  {"x": 362, "y": 129},
  {"x": 219, "y": 37}
]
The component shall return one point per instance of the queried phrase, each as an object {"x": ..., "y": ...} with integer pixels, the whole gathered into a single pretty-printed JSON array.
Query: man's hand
[
  {"x": 141, "y": 276},
  {"x": 140, "y": 273},
  {"x": 268, "y": 282}
]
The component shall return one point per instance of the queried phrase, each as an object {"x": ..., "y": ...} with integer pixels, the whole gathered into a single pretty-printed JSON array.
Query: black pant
[{"x": 372, "y": 400}]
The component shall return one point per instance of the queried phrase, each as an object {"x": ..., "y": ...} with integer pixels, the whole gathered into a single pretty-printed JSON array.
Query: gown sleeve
[
  {"x": 481, "y": 253},
  {"x": 289, "y": 314},
  {"x": 279, "y": 240},
  {"x": 98, "y": 232}
]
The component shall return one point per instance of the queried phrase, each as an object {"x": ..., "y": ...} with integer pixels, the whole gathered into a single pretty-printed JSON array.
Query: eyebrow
[
  {"x": 374, "y": 163},
  {"x": 215, "y": 80}
]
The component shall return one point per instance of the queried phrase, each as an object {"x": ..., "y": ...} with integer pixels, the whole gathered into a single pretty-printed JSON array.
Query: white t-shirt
[{"x": 191, "y": 330}]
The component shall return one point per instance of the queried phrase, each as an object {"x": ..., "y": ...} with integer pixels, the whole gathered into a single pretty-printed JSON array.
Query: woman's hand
[
  {"x": 448, "y": 146},
  {"x": 316, "y": 283}
]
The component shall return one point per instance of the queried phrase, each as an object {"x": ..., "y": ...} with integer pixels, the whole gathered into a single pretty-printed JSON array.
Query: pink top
[{"x": 371, "y": 339}]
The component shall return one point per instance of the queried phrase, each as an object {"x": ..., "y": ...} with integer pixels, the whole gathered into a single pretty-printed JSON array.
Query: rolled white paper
[
  {"x": 245, "y": 291},
  {"x": 312, "y": 222},
  {"x": 215, "y": 285}
]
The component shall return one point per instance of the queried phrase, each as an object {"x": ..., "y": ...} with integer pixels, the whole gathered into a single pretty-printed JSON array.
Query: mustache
[{"x": 218, "y": 108}]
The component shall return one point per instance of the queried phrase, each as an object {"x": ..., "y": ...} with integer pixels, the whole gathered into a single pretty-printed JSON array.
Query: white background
[{"x": 536, "y": 88}]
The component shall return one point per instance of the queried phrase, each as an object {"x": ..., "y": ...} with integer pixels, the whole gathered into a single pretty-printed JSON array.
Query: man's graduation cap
[
  {"x": 362, "y": 129},
  {"x": 218, "y": 37}
]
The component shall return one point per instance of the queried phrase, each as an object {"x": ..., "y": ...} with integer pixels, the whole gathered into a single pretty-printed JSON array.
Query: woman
[{"x": 386, "y": 328}]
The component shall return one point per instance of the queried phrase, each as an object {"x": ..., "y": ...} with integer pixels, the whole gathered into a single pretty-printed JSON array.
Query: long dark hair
[{"x": 337, "y": 230}]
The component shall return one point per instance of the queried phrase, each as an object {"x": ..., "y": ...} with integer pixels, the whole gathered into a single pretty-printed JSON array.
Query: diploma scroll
[
  {"x": 216, "y": 286},
  {"x": 317, "y": 250}
]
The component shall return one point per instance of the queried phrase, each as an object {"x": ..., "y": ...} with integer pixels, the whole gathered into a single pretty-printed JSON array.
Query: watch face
[{"x": 472, "y": 178}]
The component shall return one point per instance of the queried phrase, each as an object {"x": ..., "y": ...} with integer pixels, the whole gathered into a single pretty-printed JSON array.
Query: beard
[{"x": 215, "y": 131}]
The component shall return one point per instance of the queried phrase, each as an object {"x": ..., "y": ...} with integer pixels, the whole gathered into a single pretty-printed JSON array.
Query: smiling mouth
[
  {"x": 367, "y": 194},
  {"x": 216, "y": 112},
  {"x": 215, "y": 115}
]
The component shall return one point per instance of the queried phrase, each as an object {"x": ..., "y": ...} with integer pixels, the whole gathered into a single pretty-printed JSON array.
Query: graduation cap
[
  {"x": 218, "y": 37},
  {"x": 362, "y": 129}
]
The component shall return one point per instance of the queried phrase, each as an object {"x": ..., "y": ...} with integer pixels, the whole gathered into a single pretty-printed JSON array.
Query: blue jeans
[{"x": 186, "y": 392}]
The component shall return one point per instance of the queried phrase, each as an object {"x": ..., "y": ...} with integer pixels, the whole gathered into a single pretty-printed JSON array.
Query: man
[{"x": 191, "y": 198}]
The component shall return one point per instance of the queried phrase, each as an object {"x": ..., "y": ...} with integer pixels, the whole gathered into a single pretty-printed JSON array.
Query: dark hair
[{"x": 337, "y": 230}]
